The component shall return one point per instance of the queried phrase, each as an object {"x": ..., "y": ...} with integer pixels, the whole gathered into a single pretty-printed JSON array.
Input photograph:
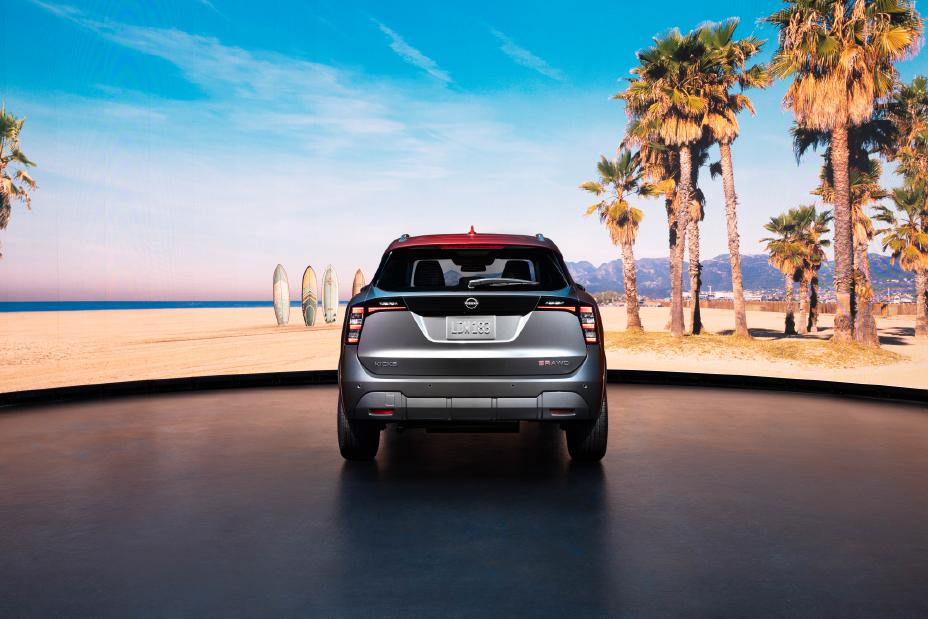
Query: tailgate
[{"x": 421, "y": 341}]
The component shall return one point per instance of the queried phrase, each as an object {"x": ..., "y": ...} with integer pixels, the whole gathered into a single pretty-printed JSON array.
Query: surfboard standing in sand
[
  {"x": 358, "y": 282},
  {"x": 329, "y": 294},
  {"x": 281, "y": 295},
  {"x": 310, "y": 298}
]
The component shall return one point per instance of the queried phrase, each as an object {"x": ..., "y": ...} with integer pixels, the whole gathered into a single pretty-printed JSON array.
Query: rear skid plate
[{"x": 454, "y": 427}]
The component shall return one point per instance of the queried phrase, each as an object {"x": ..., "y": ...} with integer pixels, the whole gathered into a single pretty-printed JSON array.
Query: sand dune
[{"x": 54, "y": 349}]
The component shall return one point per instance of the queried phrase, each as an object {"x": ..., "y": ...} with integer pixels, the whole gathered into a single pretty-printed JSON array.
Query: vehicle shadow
[{"x": 443, "y": 522}]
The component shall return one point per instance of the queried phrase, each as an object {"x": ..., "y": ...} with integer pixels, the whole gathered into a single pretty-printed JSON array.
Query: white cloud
[
  {"x": 526, "y": 58},
  {"x": 281, "y": 159},
  {"x": 246, "y": 85},
  {"x": 60, "y": 10},
  {"x": 412, "y": 55}
]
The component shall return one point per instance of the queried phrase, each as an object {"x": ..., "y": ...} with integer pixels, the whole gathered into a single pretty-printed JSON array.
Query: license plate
[{"x": 470, "y": 327}]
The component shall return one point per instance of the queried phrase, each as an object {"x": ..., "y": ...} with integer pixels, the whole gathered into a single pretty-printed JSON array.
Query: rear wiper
[{"x": 500, "y": 281}]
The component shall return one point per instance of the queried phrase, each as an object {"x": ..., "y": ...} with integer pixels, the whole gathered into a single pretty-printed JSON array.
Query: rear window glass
[{"x": 434, "y": 269}]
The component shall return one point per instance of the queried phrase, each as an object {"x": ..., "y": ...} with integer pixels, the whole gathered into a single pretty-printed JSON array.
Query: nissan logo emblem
[{"x": 471, "y": 303}]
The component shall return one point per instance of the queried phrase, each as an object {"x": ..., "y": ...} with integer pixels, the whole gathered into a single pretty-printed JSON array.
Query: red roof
[{"x": 473, "y": 238}]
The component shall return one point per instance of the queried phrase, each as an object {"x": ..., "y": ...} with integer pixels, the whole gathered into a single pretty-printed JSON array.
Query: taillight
[
  {"x": 588, "y": 324},
  {"x": 357, "y": 313},
  {"x": 584, "y": 312},
  {"x": 355, "y": 323}
]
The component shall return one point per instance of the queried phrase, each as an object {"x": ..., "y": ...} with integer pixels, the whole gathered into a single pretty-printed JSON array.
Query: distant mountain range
[{"x": 654, "y": 275}]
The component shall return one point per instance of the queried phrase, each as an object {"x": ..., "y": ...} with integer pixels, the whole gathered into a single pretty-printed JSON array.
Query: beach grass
[{"x": 803, "y": 351}]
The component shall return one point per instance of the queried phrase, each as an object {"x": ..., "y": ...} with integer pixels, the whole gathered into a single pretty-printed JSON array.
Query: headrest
[
  {"x": 428, "y": 275},
  {"x": 517, "y": 269}
]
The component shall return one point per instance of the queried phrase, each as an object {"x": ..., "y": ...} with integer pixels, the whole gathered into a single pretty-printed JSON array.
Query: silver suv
[{"x": 472, "y": 332}]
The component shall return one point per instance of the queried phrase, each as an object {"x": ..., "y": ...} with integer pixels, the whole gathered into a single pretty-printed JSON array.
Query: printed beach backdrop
[{"x": 739, "y": 199}]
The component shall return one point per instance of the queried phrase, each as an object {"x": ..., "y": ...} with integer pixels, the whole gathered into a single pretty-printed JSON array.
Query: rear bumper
[{"x": 450, "y": 398}]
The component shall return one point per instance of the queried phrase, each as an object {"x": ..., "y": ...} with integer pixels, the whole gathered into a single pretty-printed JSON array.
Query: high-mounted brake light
[
  {"x": 357, "y": 313},
  {"x": 588, "y": 324}
]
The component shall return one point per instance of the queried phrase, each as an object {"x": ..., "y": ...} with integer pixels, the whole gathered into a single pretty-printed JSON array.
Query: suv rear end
[{"x": 472, "y": 331}]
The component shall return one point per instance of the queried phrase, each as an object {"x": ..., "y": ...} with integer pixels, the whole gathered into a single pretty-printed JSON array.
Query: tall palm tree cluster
[
  {"x": 684, "y": 98},
  {"x": 905, "y": 231},
  {"x": 841, "y": 57},
  {"x": 15, "y": 182}
]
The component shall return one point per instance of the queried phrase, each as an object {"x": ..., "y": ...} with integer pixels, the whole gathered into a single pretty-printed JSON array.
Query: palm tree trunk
[
  {"x": 692, "y": 242},
  {"x": 813, "y": 304},
  {"x": 843, "y": 237},
  {"x": 678, "y": 241},
  {"x": 803, "y": 327},
  {"x": 630, "y": 275},
  {"x": 734, "y": 242},
  {"x": 790, "y": 326},
  {"x": 921, "y": 304},
  {"x": 865, "y": 329},
  {"x": 6, "y": 209},
  {"x": 671, "y": 226}
]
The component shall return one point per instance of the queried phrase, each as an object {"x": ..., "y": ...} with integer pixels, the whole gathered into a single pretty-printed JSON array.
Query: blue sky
[{"x": 187, "y": 147}]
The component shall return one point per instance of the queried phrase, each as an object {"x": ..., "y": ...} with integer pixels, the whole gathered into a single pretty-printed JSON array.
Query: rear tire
[
  {"x": 357, "y": 440},
  {"x": 586, "y": 440}
]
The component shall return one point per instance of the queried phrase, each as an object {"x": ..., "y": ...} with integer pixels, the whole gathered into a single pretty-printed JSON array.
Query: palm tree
[
  {"x": 865, "y": 190},
  {"x": 906, "y": 236},
  {"x": 787, "y": 253},
  {"x": 15, "y": 184},
  {"x": 667, "y": 100},
  {"x": 661, "y": 166},
  {"x": 816, "y": 249},
  {"x": 875, "y": 135},
  {"x": 619, "y": 179},
  {"x": 840, "y": 55},
  {"x": 813, "y": 303},
  {"x": 697, "y": 212},
  {"x": 907, "y": 112},
  {"x": 811, "y": 225},
  {"x": 731, "y": 70}
]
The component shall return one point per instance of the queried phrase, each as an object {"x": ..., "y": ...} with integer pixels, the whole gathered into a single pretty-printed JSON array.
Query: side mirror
[{"x": 581, "y": 287}]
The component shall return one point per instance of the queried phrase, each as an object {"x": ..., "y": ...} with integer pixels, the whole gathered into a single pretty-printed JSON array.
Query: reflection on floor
[{"x": 237, "y": 503}]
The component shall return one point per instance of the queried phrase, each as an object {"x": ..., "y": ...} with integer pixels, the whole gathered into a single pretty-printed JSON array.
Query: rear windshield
[{"x": 435, "y": 269}]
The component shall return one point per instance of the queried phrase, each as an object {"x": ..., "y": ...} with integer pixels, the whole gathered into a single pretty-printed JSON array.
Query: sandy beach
[
  {"x": 55, "y": 349},
  {"x": 896, "y": 335}
]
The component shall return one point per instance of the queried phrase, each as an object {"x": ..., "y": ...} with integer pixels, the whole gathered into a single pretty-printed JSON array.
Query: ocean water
[{"x": 74, "y": 306}]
